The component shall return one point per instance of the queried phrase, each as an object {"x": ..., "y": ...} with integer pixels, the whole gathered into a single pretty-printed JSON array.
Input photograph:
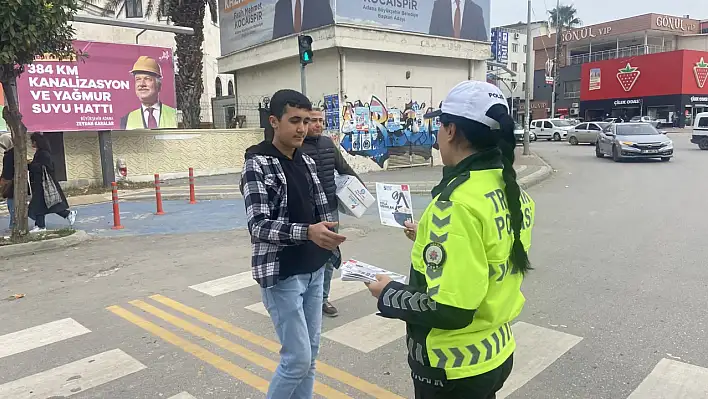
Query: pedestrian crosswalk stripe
[
  {"x": 38, "y": 336},
  {"x": 223, "y": 343},
  {"x": 672, "y": 380},
  {"x": 182, "y": 395},
  {"x": 338, "y": 290},
  {"x": 193, "y": 349},
  {"x": 72, "y": 378},
  {"x": 322, "y": 368},
  {"x": 226, "y": 284},
  {"x": 367, "y": 333},
  {"x": 536, "y": 349}
]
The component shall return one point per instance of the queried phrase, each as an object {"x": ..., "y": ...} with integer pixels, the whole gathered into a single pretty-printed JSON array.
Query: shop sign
[
  {"x": 628, "y": 76},
  {"x": 696, "y": 99},
  {"x": 675, "y": 23},
  {"x": 633, "y": 101},
  {"x": 700, "y": 71},
  {"x": 587, "y": 32}
]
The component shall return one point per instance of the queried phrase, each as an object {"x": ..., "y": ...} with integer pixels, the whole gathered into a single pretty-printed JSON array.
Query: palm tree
[
  {"x": 189, "y": 84},
  {"x": 564, "y": 18}
]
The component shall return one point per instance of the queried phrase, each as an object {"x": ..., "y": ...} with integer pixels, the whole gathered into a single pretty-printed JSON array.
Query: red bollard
[
  {"x": 192, "y": 198},
  {"x": 158, "y": 195},
  {"x": 116, "y": 210}
]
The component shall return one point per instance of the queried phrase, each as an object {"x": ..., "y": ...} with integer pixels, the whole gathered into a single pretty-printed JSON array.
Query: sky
[{"x": 505, "y": 12}]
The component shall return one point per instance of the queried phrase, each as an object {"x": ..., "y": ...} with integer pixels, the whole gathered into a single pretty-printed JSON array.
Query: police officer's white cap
[{"x": 472, "y": 99}]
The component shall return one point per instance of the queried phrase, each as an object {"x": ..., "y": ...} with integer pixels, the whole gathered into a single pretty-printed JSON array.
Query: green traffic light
[{"x": 306, "y": 56}]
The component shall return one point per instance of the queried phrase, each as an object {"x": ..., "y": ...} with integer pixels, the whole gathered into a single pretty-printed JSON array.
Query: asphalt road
[{"x": 618, "y": 286}]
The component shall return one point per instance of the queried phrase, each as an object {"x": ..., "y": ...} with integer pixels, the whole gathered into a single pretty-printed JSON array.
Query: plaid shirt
[{"x": 264, "y": 189}]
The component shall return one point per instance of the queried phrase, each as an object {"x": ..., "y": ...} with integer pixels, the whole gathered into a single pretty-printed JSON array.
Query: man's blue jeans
[
  {"x": 295, "y": 307},
  {"x": 11, "y": 209}
]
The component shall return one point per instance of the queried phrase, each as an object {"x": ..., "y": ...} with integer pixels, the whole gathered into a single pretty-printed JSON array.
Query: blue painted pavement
[{"x": 138, "y": 218}]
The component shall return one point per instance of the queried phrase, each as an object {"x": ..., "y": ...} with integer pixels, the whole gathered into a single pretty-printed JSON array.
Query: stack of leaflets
[
  {"x": 354, "y": 270},
  {"x": 395, "y": 204}
]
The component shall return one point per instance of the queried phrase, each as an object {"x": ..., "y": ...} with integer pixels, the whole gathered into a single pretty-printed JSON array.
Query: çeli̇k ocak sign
[
  {"x": 116, "y": 87},
  {"x": 246, "y": 23}
]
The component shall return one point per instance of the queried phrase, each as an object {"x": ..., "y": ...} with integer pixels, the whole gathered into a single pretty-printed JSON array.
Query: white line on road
[
  {"x": 673, "y": 380},
  {"x": 338, "y": 290},
  {"x": 536, "y": 349},
  {"x": 73, "y": 378},
  {"x": 182, "y": 395},
  {"x": 367, "y": 333},
  {"x": 38, "y": 336},
  {"x": 226, "y": 284}
]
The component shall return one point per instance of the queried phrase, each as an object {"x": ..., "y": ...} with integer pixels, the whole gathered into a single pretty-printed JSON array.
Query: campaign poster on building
[
  {"x": 595, "y": 79},
  {"x": 114, "y": 87},
  {"x": 246, "y": 23},
  {"x": 3, "y": 124},
  {"x": 433, "y": 17}
]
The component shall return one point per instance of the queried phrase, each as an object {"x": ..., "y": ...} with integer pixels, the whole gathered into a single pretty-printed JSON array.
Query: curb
[
  {"x": 538, "y": 176},
  {"x": 29, "y": 248}
]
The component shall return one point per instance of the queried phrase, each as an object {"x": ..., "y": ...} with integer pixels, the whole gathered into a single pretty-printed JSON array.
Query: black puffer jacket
[{"x": 328, "y": 159}]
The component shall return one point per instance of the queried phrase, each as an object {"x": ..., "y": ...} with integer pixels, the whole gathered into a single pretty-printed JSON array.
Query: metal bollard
[
  {"x": 158, "y": 195},
  {"x": 192, "y": 197},
  {"x": 116, "y": 209}
]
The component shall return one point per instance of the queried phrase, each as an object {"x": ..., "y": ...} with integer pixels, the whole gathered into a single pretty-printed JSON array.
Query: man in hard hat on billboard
[{"x": 152, "y": 114}]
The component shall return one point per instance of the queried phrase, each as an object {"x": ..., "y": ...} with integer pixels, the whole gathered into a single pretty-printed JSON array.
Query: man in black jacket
[{"x": 328, "y": 158}]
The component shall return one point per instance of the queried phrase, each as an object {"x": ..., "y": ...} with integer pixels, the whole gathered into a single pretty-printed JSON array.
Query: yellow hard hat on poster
[{"x": 147, "y": 65}]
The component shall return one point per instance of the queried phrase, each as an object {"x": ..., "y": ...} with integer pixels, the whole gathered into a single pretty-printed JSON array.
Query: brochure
[{"x": 395, "y": 204}]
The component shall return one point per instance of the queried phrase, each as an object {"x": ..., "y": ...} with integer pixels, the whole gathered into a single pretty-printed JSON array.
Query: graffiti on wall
[{"x": 374, "y": 130}]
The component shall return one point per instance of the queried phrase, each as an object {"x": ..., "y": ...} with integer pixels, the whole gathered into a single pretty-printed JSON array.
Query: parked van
[
  {"x": 551, "y": 129},
  {"x": 700, "y": 131}
]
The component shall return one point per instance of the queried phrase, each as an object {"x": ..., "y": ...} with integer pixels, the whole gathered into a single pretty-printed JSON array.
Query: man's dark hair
[{"x": 283, "y": 98}]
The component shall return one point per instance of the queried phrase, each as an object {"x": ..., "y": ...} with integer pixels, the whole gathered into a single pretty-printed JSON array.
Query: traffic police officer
[{"x": 469, "y": 256}]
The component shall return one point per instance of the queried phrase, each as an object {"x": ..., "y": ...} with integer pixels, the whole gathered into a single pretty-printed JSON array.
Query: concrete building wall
[
  {"x": 697, "y": 42},
  {"x": 170, "y": 153},
  {"x": 111, "y": 34}
]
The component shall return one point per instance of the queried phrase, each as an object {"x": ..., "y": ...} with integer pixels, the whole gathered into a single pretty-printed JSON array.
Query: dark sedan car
[{"x": 633, "y": 140}]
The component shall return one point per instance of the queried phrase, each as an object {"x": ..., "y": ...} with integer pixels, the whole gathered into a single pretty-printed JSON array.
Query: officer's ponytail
[{"x": 507, "y": 142}]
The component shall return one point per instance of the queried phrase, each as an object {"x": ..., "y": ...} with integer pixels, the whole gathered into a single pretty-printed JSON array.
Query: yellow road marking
[
  {"x": 193, "y": 349},
  {"x": 332, "y": 372},
  {"x": 224, "y": 343}
]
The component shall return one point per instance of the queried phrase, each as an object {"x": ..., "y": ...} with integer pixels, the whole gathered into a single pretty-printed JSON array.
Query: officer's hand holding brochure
[
  {"x": 354, "y": 270},
  {"x": 395, "y": 204}
]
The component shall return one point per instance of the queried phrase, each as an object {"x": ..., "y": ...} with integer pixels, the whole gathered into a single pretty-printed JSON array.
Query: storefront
[{"x": 670, "y": 87}]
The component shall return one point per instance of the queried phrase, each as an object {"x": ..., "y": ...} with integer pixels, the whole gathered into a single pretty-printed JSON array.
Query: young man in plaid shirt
[{"x": 292, "y": 239}]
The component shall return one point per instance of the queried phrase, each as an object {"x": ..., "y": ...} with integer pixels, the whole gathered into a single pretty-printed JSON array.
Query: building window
[
  {"x": 230, "y": 88},
  {"x": 513, "y": 85},
  {"x": 133, "y": 8},
  {"x": 524, "y": 67},
  {"x": 218, "y": 87},
  {"x": 514, "y": 66},
  {"x": 571, "y": 89},
  {"x": 515, "y": 47},
  {"x": 526, "y": 48},
  {"x": 523, "y": 87},
  {"x": 490, "y": 68}
]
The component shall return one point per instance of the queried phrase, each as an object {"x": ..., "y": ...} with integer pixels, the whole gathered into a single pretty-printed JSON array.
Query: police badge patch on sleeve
[{"x": 434, "y": 255}]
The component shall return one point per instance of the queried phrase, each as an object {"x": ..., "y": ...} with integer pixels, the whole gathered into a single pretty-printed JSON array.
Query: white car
[
  {"x": 700, "y": 131},
  {"x": 551, "y": 129},
  {"x": 519, "y": 133}
]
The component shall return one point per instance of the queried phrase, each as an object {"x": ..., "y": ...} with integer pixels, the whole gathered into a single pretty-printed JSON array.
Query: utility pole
[
  {"x": 529, "y": 82},
  {"x": 555, "y": 62},
  {"x": 303, "y": 80}
]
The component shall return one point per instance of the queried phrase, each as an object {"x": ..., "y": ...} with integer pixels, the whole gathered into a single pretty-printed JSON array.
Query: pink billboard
[{"x": 116, "y": 87}]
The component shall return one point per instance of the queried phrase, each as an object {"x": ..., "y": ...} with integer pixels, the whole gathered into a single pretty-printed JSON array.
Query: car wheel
[
  {"x": 556, "y": 137},
  {"x": 548, "y": 139},
  {"x": 665, "y": 159},
  {"x": 615, "y": 154},
  {"x": 598, "y": 153},
  {"x": 573, "y": 140},
  {"x": 703, "y": 144},
  {"x": 534, "y": 138}
]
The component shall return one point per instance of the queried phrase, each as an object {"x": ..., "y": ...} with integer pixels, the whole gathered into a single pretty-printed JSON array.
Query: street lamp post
[{"x": 529, "y": 83}]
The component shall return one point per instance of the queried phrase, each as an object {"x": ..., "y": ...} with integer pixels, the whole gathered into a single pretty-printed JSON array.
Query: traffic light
[{"x": 305, "y": 46}]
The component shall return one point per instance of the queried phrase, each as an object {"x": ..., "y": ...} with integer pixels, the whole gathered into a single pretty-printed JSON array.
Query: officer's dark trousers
[{"x": 483, "y": 386}]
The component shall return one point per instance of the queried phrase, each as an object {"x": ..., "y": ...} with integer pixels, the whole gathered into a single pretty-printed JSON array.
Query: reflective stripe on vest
[{"x": 471, "y": 355}]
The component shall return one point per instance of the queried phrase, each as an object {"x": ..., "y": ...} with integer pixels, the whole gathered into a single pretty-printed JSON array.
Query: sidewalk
[{"x": 220, "y": 206}]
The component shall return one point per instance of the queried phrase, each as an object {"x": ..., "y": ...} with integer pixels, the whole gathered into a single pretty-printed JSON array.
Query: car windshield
[
  {"x": 518, "y": 127},
  {"x": 636, "y": 130},
  {"x": 603, "y": 125},
  {"x": 636, "y": 118},
  {"x": 561, "y": 122}
]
